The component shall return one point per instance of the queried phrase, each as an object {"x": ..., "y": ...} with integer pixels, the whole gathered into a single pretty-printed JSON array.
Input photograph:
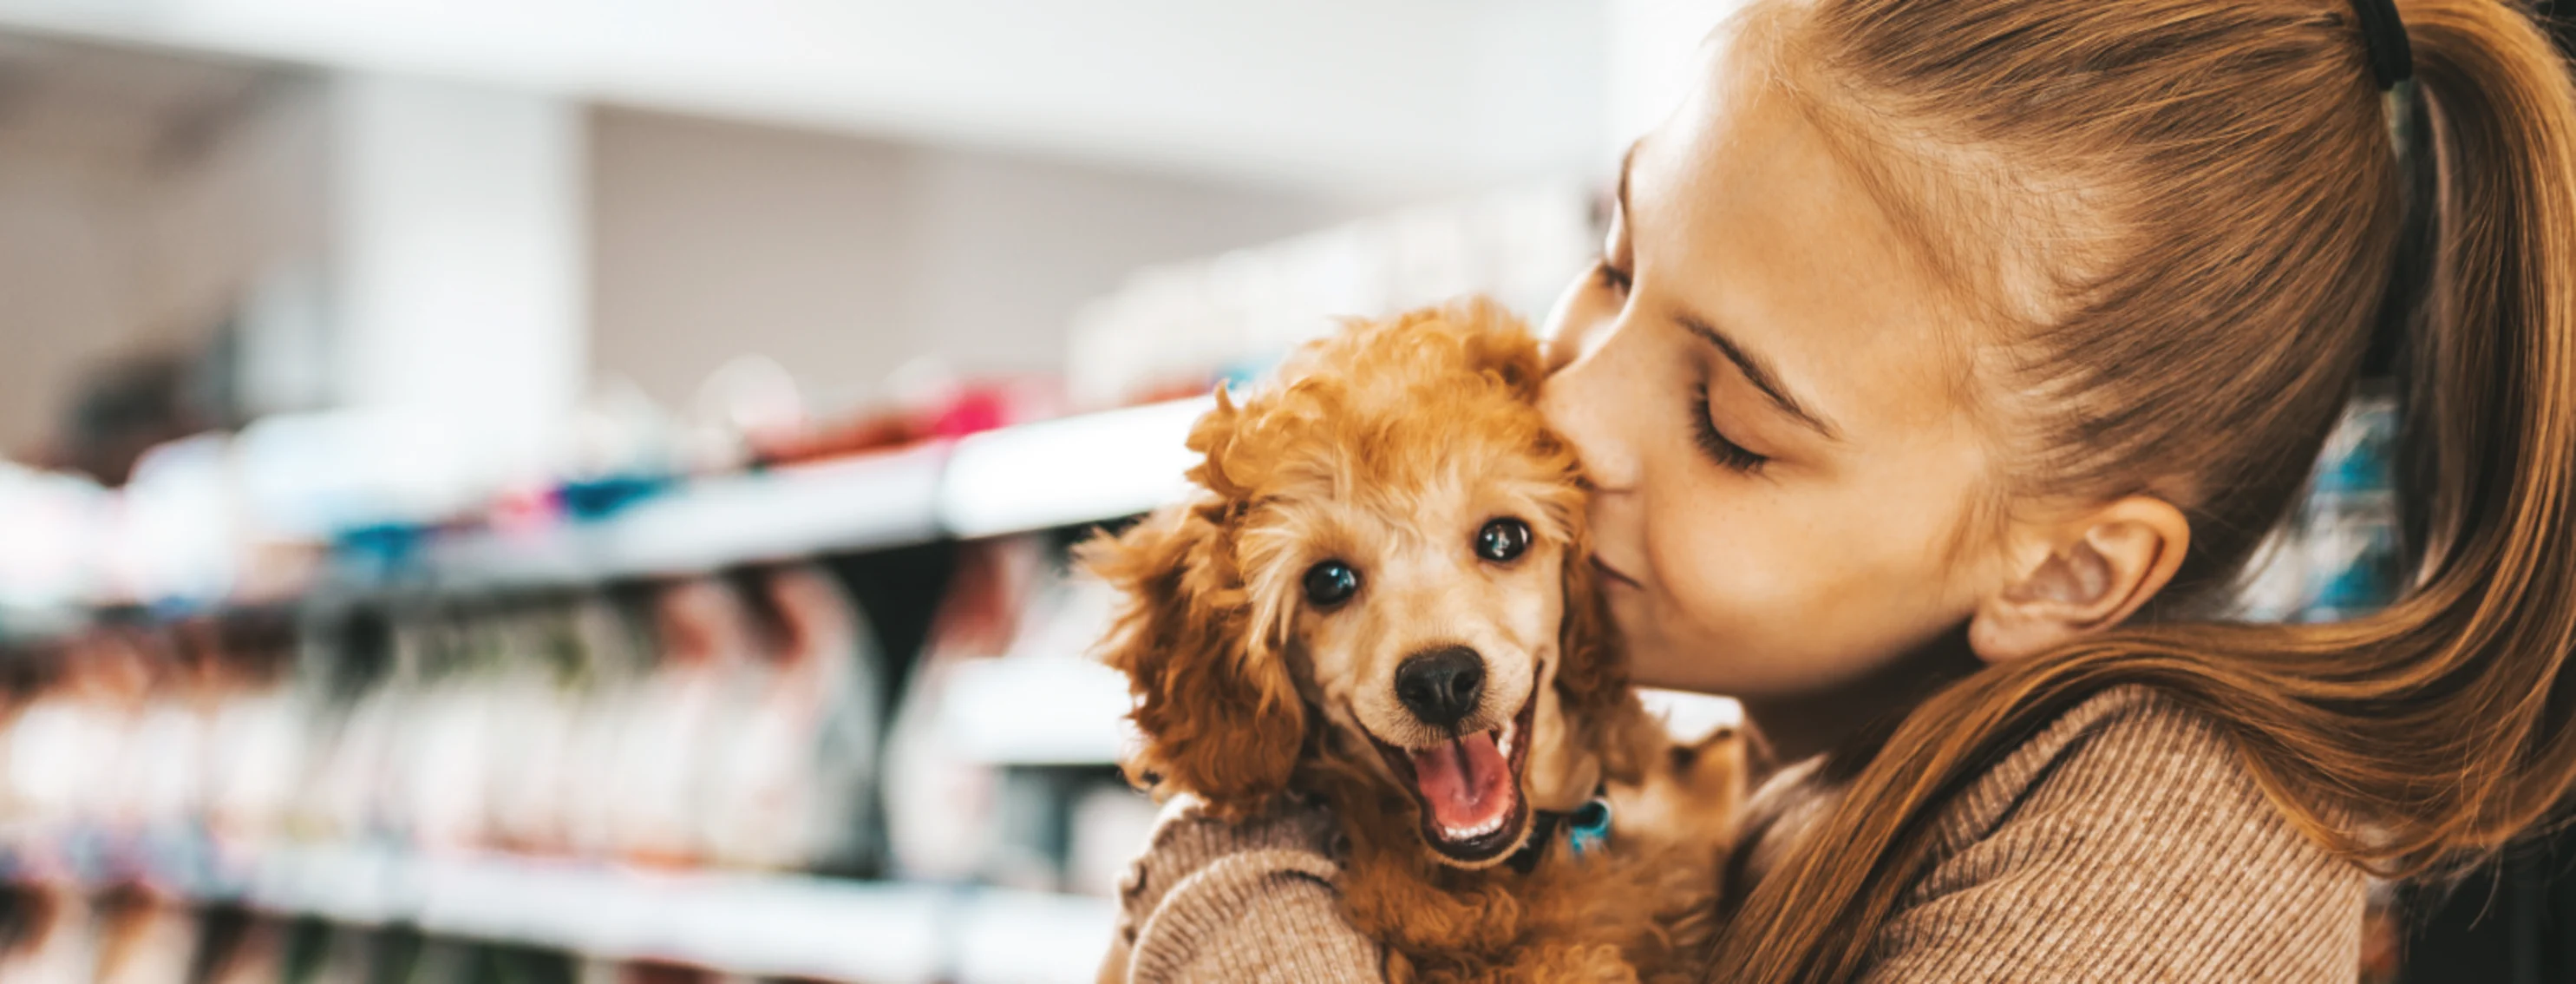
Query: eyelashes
[
  {"x": 1610, "y": 276},
  {"x": 1714, "y": 444},
  {"x": 1727, "y": 454}
]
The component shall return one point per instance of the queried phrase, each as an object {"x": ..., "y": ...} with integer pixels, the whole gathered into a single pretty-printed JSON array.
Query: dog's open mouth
[{"x": 1469, "y": 788}]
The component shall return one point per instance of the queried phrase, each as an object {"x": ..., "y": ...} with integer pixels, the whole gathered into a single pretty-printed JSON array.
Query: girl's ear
[
  {"x": 1219, "y": 718},
  {"x": 2082, "y": 577}
]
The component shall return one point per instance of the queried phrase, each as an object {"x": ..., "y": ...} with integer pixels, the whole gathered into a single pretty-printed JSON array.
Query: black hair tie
[
  {"x": 2392, "y": 65},
  {"x": 2391, "y": 59}
]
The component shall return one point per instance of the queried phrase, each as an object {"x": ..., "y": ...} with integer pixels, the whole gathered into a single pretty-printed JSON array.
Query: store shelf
[
  {"x": 735, "y": 923},
  {"x": 1041, "y": 710},
  {"x": 860, "y": 503},
  {"x": 1075, "y": 470},
  {"x": 1032, "y": 937}
]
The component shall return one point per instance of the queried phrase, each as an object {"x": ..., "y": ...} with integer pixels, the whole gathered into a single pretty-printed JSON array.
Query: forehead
[
  {"x": 1744, "y": 214},
  {"x": 1408, "y": 477}
]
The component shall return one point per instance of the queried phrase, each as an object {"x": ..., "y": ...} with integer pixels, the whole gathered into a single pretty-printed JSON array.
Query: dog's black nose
[{"x": 1441, "y": 686}]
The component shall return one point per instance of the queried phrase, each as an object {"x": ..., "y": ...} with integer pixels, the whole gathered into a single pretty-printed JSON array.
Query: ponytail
[{"x": 2426, "y": 735}]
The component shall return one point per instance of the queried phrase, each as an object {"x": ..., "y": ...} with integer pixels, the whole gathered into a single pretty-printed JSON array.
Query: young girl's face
[{"x": 1768, "y": 390}]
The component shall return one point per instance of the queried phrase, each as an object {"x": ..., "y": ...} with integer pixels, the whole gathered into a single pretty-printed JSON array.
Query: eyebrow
[{"x": 1758, "y": 371}]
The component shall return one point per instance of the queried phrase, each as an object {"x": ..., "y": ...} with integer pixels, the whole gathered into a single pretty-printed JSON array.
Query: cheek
[
  {"x": 1544, "y": 601},
  {"x": 1727, "y": 568},
  {"x": 1353, "y": 661},
  {"x": 1768, "y": 589},
  {"x": 1329, "y": 655},
  {"x": 1528, "y": 601}
]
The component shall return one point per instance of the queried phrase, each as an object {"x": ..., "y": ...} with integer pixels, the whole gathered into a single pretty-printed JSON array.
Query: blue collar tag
[{"x": 1587, "y": 829}]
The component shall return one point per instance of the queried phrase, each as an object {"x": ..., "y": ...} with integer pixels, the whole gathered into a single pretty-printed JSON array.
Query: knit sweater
[{"x": 2123, "y": 842}]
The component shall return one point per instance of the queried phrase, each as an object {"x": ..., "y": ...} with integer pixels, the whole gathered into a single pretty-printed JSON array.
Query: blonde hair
[{"x": 2227, "y": 210}]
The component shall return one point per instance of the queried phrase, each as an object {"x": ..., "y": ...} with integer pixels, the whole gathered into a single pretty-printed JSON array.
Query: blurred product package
[{"x": 1173, "y": 330}]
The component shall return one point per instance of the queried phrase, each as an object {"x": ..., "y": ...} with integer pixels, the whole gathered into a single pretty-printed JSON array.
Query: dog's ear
[
  {"x": 1219, "y": 715},
  {"x": 1499, "y": 343},
  {"x": 1592, "y": 682}
]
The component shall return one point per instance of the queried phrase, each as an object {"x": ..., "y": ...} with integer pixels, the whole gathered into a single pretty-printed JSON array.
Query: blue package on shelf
[
  {"x": 2348, "y": 528},
  {"x": 380, "y": 551},
  {"x": 1237, "y": 377},
  {"x": 2362, "y": 453},
  {"x": 600, "y": 498}
]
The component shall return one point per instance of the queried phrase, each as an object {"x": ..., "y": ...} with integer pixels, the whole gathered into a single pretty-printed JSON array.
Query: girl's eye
[
  {"x": 1503, "y": 540},
  {"x": 1330, "y": 583},
  {"x": 1727, "y": 454},
  {"x": 1610, "y": 276}
]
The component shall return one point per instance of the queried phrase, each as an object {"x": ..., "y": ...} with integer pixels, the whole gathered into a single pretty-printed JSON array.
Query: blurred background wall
[
  {"x": 841, "y": 256},
  {"x": 143, "y": 195}
]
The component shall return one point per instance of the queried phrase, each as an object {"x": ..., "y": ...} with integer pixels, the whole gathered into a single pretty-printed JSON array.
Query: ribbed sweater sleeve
[
  {"x": 2124, "y": 843},
  {"x": 1251, "y": 901}
]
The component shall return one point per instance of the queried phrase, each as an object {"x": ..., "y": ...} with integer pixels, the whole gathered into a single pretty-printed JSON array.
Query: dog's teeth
[{"x": 1479, "y": 830}]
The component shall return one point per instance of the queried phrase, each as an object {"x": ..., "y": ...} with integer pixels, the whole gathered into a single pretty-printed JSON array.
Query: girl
[{"x": 1946, "y": 362}]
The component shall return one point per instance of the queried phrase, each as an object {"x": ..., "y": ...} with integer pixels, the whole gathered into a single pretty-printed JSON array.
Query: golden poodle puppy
[{"x": 1381, "y": 596}]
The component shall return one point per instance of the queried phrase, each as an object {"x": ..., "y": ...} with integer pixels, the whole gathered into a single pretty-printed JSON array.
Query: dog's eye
[
  {"x": 1502, "y": 540},
  {"x": 1331, "y": 583}
]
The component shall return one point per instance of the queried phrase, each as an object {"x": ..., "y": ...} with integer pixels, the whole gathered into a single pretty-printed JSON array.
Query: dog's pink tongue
[{"x": 1466, "y": 782}]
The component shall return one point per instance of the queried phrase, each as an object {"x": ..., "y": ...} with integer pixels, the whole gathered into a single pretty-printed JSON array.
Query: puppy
[{"x": 1381, "y": 597}]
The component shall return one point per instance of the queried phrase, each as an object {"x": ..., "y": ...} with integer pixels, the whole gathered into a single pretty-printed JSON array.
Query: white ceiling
[{"x": 1366, "y": 97}]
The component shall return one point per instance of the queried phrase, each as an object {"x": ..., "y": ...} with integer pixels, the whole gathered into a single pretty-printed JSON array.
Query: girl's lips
[{"x": 1613, "y": 573}]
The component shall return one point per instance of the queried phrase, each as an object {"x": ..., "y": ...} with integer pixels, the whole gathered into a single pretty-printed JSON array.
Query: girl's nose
[{"x": 1585, "y": 402}]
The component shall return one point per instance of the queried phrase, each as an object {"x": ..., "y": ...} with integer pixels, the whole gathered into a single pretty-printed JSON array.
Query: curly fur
[{"x": 1238, "y": 698}]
